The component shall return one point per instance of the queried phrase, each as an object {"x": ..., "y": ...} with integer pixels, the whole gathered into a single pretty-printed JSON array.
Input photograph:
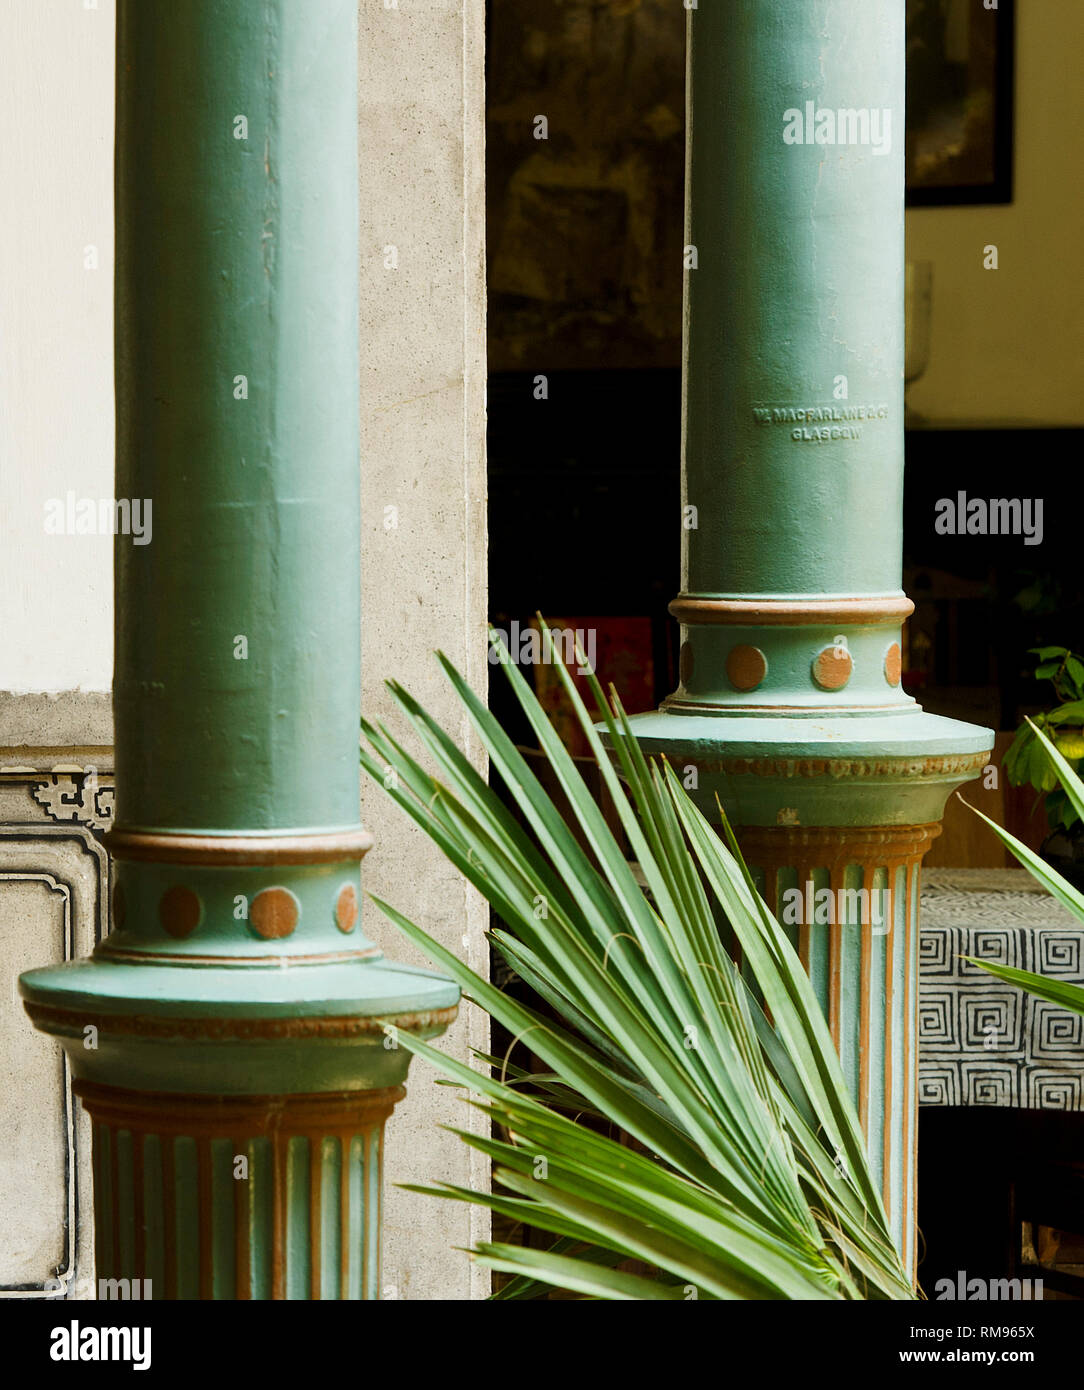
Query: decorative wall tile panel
[{"x": 54, "y": 881}]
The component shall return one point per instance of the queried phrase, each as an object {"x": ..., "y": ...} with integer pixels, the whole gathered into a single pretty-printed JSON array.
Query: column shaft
[
  {"x": 790, "y": 707},
  {"x": 234, "y": 1037}
]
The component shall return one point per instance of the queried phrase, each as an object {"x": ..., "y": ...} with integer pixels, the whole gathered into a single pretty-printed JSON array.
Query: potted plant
[{"x": 1026, "y": 763}]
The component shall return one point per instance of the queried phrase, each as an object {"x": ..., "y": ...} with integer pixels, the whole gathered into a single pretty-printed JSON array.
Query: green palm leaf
[
  {"x": 1061, "y": 992},
  {"x": 738, "y": 1169}
]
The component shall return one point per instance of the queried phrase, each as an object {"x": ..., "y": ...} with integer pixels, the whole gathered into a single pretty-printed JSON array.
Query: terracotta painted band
[
  {"x": 163, "y": 1112},
  {"x": 339, "y": 1026},
  {"x": 177, "y": 958},
  {"x": 784, "y": 613},
  {"x": 936, "y": 765},
  {"x": 162, "y": 848},
  {"x": 776, "y": 845},
  {"x": 682, "y": 705},
  {"x": 832, "y": 834}
]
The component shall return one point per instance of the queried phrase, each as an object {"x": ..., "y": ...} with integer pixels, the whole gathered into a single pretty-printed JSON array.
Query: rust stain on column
[
  {"x": 866, "y": 944},
  {"x": 344, "y": 1203},
  {"x": 206, "y": 1219},
  {"x": 138, "y": 1140},
  {"x": 316, "y": 1189},
  {"x": 889, "y": 1088},
  {"x": 280, "y": 1212},
  {"x": 241, "y": 1226},
  {"x": 114, "y": 1181},
  {"x": 835, "y": 956},
  {"x": 169, "y": 1213}
]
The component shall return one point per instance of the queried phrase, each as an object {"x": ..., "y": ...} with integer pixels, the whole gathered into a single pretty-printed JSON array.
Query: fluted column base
[
  {"x": 238, "y": 1197},
  {"x": 848, "y": 898}
]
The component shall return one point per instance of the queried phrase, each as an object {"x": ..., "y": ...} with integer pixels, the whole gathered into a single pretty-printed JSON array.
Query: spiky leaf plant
[
  {"x": 1061, "y": 992},
  {"x": 743, "y": 1173}
]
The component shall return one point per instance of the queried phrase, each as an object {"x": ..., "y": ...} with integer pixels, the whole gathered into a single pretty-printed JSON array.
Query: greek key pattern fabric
[{"x": 982, "y": 1042}]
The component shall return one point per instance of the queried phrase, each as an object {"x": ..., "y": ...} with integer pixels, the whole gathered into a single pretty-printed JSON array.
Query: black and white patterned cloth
[{"x": 982, "y": 1042}]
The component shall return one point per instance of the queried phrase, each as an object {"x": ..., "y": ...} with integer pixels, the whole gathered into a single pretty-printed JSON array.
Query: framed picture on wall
[{"x": 959, "y": 102}]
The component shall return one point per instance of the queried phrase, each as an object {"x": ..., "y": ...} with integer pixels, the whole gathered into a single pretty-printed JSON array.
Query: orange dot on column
[
  {"x": 346, "y": 908},
  {"x": 893, "y": 664},
  {"x": 274, "y": 913},
  {"x": 833, "y": 667},
  {"x": 179, "y": 911},
  {"x": 746, "y": 667}
]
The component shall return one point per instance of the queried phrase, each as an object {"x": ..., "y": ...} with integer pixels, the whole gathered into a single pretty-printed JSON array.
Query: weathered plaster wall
[{"x": 423, "y": 562}]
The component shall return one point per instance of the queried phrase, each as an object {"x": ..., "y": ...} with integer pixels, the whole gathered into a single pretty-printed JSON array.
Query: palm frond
[
  {"x": 1061, "y": 992},
  {"x": 739, "y": 1169}
]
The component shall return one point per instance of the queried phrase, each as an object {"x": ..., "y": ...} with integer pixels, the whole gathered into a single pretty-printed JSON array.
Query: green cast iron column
[
  {"x": 234, "y": 1037},
  {"x": 790, "y": 705}
]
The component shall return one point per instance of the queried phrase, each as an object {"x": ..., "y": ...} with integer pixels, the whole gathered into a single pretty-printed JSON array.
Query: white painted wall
[
  {"x": 1007, "y": 345},
  {"x": 56, "y": 339}
]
